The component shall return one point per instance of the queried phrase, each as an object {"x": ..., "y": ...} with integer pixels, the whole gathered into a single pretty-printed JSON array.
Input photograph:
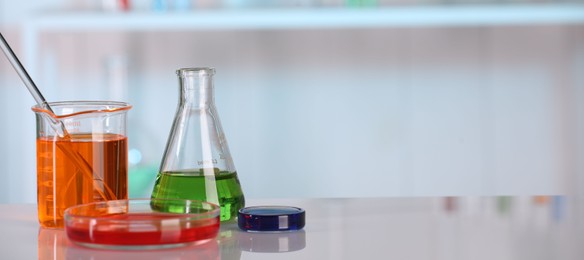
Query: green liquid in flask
[{"x": 195, "y": 185}]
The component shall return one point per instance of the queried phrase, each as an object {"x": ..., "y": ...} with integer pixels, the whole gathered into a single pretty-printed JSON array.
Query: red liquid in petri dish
[{"x": 142, "y": 229}]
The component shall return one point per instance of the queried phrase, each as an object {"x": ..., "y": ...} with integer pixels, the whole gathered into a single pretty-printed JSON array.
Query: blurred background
[{"x": 320, "y": 98}]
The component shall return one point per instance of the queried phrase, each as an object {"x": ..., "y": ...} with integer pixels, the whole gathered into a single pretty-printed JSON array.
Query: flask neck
[{"x": 196, "y": 87}]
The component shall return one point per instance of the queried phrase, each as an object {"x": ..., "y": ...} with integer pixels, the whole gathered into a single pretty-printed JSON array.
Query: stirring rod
[
  {"x": 32, "y": 88},
  {"x": 58, "y": 125}
]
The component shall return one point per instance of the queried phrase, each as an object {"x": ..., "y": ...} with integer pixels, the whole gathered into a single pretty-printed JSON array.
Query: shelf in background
[
  {"x": 412, "y": 16},
  {"x": 316, "y": 18}
]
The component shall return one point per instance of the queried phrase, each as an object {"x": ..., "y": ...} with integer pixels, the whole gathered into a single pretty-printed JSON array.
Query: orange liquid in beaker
[{"x": 62, "y": 183}]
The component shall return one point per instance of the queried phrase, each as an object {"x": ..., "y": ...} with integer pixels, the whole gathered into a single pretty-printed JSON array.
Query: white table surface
[{"x": 490, "y": 228}]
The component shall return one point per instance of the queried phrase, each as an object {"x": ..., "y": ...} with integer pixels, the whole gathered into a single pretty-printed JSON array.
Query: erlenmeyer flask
[{"x": 197, "y": 163}]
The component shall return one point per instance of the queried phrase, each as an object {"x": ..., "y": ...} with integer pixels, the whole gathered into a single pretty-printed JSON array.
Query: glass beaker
[
  {"x": 197, "y": 164},
  {"x": 87, "y": 162}
]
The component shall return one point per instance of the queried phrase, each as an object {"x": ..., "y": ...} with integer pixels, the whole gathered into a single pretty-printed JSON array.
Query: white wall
[
  {"x": 341, "y": 113},
  {"x": 3, "y": 102}
]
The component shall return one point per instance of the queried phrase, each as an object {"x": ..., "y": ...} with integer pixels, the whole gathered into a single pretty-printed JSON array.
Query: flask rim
[{"x": 196, "y": 71}]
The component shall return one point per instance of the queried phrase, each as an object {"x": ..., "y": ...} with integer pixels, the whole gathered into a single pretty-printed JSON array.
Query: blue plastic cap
[{"x": 271, "y": 218}]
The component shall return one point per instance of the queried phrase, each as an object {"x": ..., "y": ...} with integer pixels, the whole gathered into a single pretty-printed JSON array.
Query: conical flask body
[{"x": 197, "y": 163}]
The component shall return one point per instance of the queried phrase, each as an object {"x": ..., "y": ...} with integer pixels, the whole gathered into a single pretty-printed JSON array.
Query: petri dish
[
  {"x": 138, "y": 224},
  {"x": 271, "y": 218}
]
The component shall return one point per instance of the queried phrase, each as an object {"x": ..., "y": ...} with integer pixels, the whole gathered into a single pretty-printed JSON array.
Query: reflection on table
[
  {"x": 53, "y": 244},
  {"x": 518, "y": 228}
]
